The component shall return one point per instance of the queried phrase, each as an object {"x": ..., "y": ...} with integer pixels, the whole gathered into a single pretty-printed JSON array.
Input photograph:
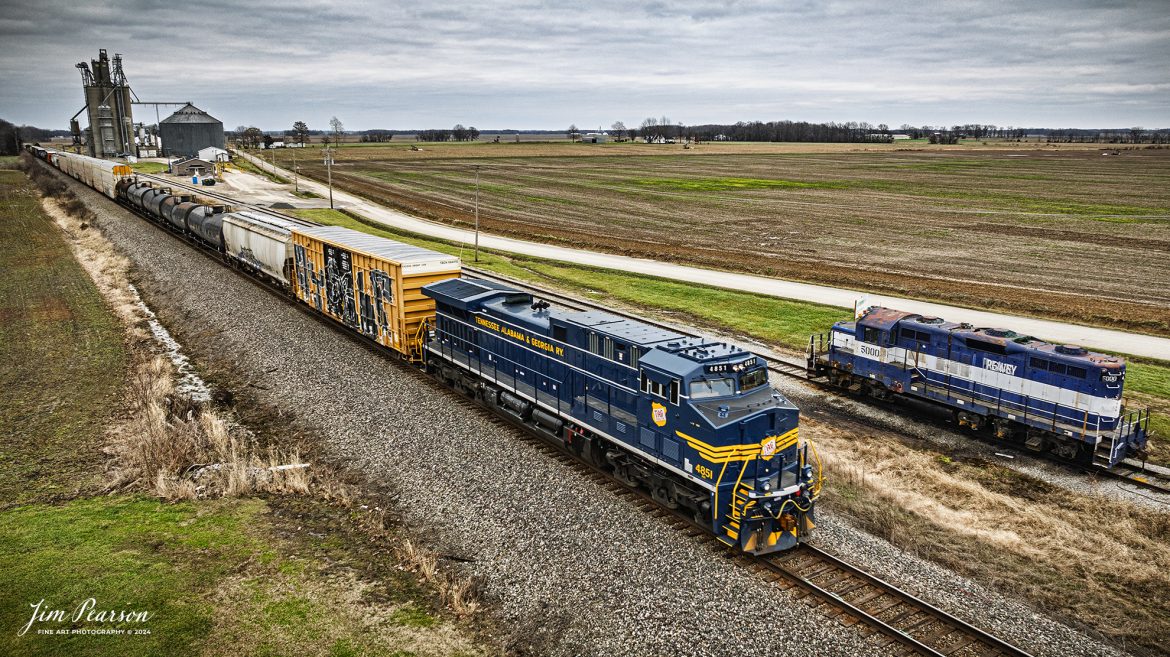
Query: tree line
[
  {"x": 458, "y": 133},
  {"x": 664, "y": 129},
  {"x": 659, "y": 129}
]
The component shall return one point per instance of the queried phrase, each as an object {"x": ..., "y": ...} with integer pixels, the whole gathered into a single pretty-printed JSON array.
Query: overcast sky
[{"x": 538, "y": 65}]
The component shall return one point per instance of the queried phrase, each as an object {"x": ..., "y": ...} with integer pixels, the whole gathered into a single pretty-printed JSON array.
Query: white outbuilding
[{"x": 214, "y": 154}]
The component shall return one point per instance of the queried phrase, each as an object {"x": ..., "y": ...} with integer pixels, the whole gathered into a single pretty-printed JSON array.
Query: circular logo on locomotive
[{"x": 658, "y": 412}]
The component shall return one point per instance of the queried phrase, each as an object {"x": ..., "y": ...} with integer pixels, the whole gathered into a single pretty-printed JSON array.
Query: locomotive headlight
[{"x": 767, "y": 487}]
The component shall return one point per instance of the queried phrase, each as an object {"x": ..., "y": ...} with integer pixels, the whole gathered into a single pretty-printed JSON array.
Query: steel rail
[{"x": 921, "y": 626}]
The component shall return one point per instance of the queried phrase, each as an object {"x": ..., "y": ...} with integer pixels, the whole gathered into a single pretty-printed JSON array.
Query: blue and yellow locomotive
[
  {"x": 1058, "y": 398},
  {"x": 694, "y": 422}
]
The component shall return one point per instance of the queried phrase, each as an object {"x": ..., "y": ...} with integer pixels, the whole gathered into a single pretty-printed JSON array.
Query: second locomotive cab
[
  {"x": 1058, "y": 398},
  {"x": 693, "y": 421}
]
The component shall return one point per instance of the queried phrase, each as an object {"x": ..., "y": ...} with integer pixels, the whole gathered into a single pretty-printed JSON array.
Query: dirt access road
[{"x": 1091, "y": 337}]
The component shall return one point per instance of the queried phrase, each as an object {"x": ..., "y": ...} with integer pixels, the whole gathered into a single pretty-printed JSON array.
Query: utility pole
[
  {"x": 296, "y": 182},
  {"x": 477, "y": 213},
  {"x": 329, "y": 169}
]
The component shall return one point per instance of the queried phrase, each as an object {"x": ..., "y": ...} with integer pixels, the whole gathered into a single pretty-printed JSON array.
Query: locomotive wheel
[
  {"x": 621, "y": 474},
  {"x": 664, "y": 496}
]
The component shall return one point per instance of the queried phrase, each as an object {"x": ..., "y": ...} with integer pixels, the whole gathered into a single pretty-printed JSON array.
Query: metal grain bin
[
  {"x": 371, "y": 284},
  {"x": 206, "y": 223},
  {"x": 178, "y": 216},
  {"x": 260, "y": 242}
]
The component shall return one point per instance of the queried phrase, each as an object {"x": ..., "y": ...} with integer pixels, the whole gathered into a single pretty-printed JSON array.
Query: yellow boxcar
[{"x": 371, "y": 284}]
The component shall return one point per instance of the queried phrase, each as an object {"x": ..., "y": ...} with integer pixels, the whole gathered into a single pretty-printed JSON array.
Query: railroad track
[
  {"x": 839, "y": 590},
  {"x": 1129, "y": 470}
]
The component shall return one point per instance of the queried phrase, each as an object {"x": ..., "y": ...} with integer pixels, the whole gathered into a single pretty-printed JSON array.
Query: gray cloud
[{"x": 541, "y": 65}]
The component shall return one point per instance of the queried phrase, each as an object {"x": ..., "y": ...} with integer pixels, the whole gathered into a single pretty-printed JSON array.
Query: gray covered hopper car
[{"x": 261, "y": 243}]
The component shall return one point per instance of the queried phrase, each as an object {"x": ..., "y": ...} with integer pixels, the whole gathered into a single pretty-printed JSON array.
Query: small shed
[
  {"x": 192, "y": 166},
  {"x": 213, "y": 154}
]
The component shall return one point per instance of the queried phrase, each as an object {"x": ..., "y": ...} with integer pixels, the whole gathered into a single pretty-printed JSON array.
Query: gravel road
[{"x": 575, "y": 568}]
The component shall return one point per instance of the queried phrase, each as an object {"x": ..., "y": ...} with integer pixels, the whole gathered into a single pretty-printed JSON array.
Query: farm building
[
  {"x": 188, "y": 130},
  {"x": 595, "y": 137},
  {"x": 214, "y": 154},
  {"x": 192, "y": 166}
]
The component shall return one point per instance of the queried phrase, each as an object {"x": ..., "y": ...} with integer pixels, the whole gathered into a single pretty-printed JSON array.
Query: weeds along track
[{"x": 824, "y": 582}]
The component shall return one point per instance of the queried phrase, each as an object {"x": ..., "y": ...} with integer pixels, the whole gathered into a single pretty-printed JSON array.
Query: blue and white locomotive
[
  {"x": 694, "y": 422},
  {"x": 1058, "y": 398}
]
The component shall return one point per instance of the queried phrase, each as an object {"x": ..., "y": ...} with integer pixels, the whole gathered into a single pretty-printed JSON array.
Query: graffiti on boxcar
[
  {"x": 375, "y": 322},
  {"x": 339, "y": 285},
  {"x": 308, "y": 282}
]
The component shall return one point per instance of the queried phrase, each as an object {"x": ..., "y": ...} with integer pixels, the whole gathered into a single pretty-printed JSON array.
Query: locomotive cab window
[
  {"x": 753, "y": 379},
  {"x": 559, "y": 333},
  {"x": 653, "y": 387},
  {"x": 921, "y": 338},
  {"x": 871, "y": 335},
  {"x": 704, "y": 388}
]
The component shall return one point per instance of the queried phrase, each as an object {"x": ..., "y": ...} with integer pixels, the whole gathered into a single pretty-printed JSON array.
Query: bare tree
[
  {"x": 573, "y": 134},
  {"x": 619, "y": 129},
  {"x": 459, "y": 133},
  {"x": 337, "y": 128},
  {"x": 252, "y": 136},
  {"x": 649, "y": 128}
]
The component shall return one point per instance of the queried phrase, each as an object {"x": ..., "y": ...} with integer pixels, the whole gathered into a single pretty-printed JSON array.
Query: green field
[
  {"x": 62, "y": 360},
  {"x": 149, "y": 167}
]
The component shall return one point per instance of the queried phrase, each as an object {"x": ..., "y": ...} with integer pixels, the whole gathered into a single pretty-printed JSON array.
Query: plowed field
[{"x": 1079, "y": 234}]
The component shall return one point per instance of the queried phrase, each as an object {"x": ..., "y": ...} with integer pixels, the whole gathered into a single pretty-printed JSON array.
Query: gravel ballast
[{"x": 575, "y": 568}]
